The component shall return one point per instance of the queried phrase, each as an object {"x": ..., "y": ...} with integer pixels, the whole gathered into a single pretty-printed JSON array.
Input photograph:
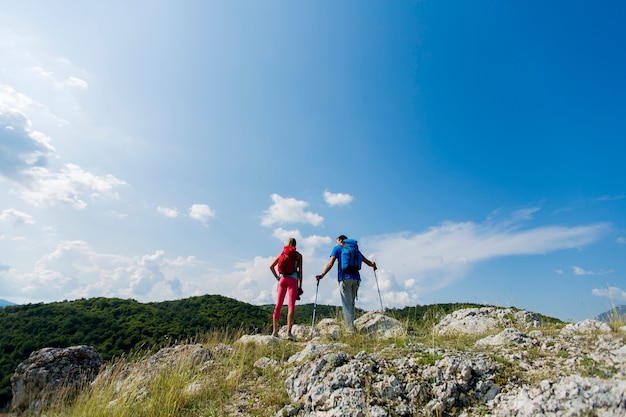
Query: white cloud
[
  {"x": 613, "y": 293},
  {"x": 76, "y": 82},
  {"x": 337, "y": 199},
  {"x": 289, "y": 210},
  {"x": 75, "y": 270},
  {"x": 25, "y": 155},
  {"x": 201, "y": 212},
  {"x": 168, "y": 212},
  {"x": 621, "y": 240},
  {"x": 306, "y": 245},
  {"x": 21, "y": 147},
  {"x": 411, "y": 265},
  {"x": 580, "y": 271},
  {"x": 16, "y": 217},
  {"x": 283, "y": 235},
  {"x": 70, "y": 185}
]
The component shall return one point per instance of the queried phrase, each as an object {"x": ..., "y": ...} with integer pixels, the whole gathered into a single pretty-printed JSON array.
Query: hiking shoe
[
  {"x": 275, "y": 334},
  {"x": 291, "y": 337}
]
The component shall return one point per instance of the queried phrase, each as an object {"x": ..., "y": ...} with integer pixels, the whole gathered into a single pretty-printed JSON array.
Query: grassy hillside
[{"x": 116, "y": 327}]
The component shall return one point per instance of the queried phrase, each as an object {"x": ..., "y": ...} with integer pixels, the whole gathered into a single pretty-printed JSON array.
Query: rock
[
  {"x": 329, "y": 328},
  {"x": 570, "y": 396},
  {"x": 51, "y": 371},
  {"x": 311, "y": 349},
  {"x": 586, "y": 326},
  {"x": 265, "y": 362},
  {"x": 477, "y": 321},
  {"x": 379, "y": 325},
  {"x": 506, "y": 338},
  {"x": 259, "y": 339},
  {"x": 467, "y": 321}
]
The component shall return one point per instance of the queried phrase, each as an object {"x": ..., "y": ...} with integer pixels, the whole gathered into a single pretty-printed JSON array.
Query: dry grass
[{"x": 229, "y": 379}]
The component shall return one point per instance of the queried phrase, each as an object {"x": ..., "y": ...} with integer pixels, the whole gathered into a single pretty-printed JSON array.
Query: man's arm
[
  {"x": 327, "y": 268},
  {"x": 369, "y": 263}
]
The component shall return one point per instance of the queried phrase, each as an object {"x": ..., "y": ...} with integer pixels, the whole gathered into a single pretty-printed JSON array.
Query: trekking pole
[
  {"x": 382, "y": 309},
  {"x": 314, "y": 307}
]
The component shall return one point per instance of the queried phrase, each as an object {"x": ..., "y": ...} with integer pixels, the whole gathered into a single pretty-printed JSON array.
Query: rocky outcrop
[
  {"x": 334, "y": 383},
  {"x": 50, "y": 372},
  {"x": 579, "y": 370}
]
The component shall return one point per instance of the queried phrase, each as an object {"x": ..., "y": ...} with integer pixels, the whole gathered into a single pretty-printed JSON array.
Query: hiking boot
[
  {"x": 291, "y": 337},
  {"x": 275, "y": 334}
]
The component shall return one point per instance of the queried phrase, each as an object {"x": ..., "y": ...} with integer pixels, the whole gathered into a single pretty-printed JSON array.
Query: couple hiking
[{"x": 349, "y": 259}]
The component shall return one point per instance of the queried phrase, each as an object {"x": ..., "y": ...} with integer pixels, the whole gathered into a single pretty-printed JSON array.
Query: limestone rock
[
  {"x": 51, "y": 371},
  {"x": 380, "y": 325}
]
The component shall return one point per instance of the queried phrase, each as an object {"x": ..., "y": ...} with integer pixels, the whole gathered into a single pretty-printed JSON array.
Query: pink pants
[{"x": 286, "y": 283}]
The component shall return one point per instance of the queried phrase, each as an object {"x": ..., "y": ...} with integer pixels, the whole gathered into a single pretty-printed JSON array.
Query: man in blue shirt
[{"x": 348, "y": 283}]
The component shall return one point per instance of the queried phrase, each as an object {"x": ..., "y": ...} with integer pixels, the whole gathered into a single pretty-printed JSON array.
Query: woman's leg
[
  {"x": 293, "y": 295},
  {"x": 280, "y": 299}
]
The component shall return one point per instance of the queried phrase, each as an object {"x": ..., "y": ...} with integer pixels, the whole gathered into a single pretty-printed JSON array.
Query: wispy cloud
[
  {"x": 69, "y": 185},
  {"x": 337, "y": 199},
  {"x": 77, "y": 82},
  {"x": 612, "y": 197},
  {"x": 613, "y": 293},
  {"x": 289, "y": 210},
  {"x": 16, "y": 217},
  {"x": 580, "y": 271},
  {"x": 441, "y": 255}
]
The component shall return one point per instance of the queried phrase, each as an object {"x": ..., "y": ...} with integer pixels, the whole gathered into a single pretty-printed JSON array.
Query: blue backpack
[{"x": 351, "y": 257}]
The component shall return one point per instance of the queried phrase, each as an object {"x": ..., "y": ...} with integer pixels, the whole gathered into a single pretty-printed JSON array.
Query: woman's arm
[
  {"x": 300, "y": 273},
  {"x": 273, "y": 270}
]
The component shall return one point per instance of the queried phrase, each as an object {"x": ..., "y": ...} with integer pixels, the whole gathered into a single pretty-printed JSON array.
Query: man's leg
[{"x": 346, "y": 289}]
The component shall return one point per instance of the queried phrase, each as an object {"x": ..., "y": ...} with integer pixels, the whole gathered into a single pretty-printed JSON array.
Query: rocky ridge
[{"x": 479, "y": 361}]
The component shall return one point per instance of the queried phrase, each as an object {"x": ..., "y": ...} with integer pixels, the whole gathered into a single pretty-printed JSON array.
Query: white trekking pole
[
  {"x": 382, "y": 309},
  {"x": 314, "y": 307}
]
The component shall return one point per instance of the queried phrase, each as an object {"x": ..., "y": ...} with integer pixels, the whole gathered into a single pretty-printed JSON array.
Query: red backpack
[{"x": 287, "y": 261}]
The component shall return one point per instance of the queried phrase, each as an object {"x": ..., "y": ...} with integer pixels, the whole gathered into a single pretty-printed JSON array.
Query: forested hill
[{"x": 115, "y": 326}]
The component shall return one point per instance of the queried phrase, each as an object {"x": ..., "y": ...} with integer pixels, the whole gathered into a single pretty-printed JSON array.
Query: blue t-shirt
[{"x": 336, "y": 252}]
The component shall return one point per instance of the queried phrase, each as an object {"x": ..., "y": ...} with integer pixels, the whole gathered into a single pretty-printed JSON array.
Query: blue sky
[{"x": 166, "y": 149}]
